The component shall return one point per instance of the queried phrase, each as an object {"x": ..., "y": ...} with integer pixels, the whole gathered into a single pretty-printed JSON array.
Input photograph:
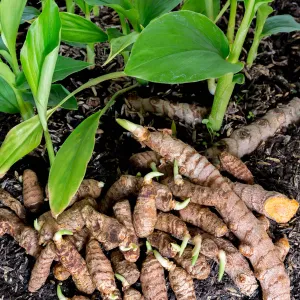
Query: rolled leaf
[
  {"x": 8, "y": 100},
  {"x": 180, "y": 47}
]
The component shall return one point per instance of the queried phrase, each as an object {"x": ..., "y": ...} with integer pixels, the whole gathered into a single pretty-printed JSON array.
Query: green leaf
[
  {"x": 126, "y": 4},
  {"x": 119, "y": 44},
  {"x": 238, "y": 78},
  {"x": 8, "y": 100},
  {"x": 40, "y": 51},
  {"x": 113, "y": 33},
  {"x": 57, "y": 93},
  {"x": 180, "y": 47},
  {"x": 29, "y": 14},
  {"x": 69, "y": 167},
  {"x": 2, "y": 45},
  {"x": 65, "y": 66},
  {"x": 7, "y": 74},
  {"x": 77, "y": 29},
  {"x": 151, "y": 9},
  {"x": 20, "y": 141},
  {"x": 10, "y": 16},
  {"x": 201, "y": 6},
  {"x": 83, "y": 7},
  {"x": 258, "y": 3},
  {"x": 277, "y": 24}
]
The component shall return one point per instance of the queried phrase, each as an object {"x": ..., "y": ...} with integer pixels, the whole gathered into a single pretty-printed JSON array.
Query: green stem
[
  {"x": 49, "y": 146},
  {"x": 222, "y": 11},
  {"x": 209, "y": 5},
  {"x": 225, "y": 85},
  {"x": 26, "y": 109},
  {"x": 231, "y": 23},
  {"x": 184, "y": 243},
  {"x": 70, "y": 6},
  {"x": 59, "y": 293},
  {"x": 253, "y": 50},
  {"x": 90, "y": 55},
  {"x": 96, "y": 11},
  {"x": 124, "y": 24},
  {"x": 222, "y": 264}
]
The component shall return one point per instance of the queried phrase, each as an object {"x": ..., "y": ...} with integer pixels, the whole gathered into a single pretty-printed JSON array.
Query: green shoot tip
[
  {"x": 58, "y": 235},
  {"x": 127, "y": 125},
  {"x": 175, "y": 247},
  {"x": 222, "y": 264},
  {"x": 123, "y": 280},
  {"x": 184, "y": 244},
  {"x": 148, "y": 178},
  {"x": 149, "y": 247},
  {"x": 37, "y": 225},
  {"x": 59, "y": 293},
  {"x": 182, "y": 205}
]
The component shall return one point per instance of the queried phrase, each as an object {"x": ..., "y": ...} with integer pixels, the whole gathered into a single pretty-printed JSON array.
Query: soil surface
[{"x": 272, "y": 80}]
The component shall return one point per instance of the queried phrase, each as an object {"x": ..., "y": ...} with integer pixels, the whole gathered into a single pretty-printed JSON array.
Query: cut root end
[{"x": 281, "y": 209}]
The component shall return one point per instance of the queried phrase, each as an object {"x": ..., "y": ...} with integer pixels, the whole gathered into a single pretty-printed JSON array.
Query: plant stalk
[
  {"x": 225, "y": 85},
  {"x": 26, "y": 109},
  {"x": 209, "y": 5},
  {"x": 222, "y": 11},
  {"x": 90, "y": 48},
  {"x": 124, "y": 24},
  {"x": 96, "y": 11},
  {"x": 231, "y": 23},
  {"x": 70, "y": 6}
]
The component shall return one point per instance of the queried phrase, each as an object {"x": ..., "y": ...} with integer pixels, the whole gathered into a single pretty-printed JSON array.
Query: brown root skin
[
  {"x": 12, "y": 203},
  {"x": 283, "y": 247},
  {"x": 122, "y": 211},
  {"x": 141, "y": 161},
  {"x": 125, "y": 268},
  {"x": 234, "y": 166},
  {"x": 41, "y": 269},
  {"x": 163, "y": 243},
  {"x": 106, "y": 230},
  {"x": 132, "y": 294},
  {"x": 268, "y": 268},
  {"x": 100, "y": 268},
  {"x": 246, "y": 139},
  {"x": 60, "y": 273},
  {"x": 124, "y": 187},
  {"x": 79, "y": 238},
  {"x": 203, "y": 218},
  {"x": 145, "y": 214},
  {"x": 187, "y": 113},
  {"x": 200, "y": 270},
  {"x": 273, "y": 205},
  {"x": 33, "y": 195},
  {"x": 264, "y": 221},
  {"x": 153, "y": 279},
  {"x": 25, "y": 236}
]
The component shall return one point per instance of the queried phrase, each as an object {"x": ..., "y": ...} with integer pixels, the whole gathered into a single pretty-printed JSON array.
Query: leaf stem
[
  {"x": 96, "y": 11},
  {"x": 231, "y": 23},
  {"x": 124, "y": 25},
  {"x": 70, "y": 6},
  {"x": 26, "y": 109},
  {"x": 59, "y": 293},
  {"x": 222, "y": 11},
  {"x": 209, "y": 5},
  {"x": 49, "y": 146}
]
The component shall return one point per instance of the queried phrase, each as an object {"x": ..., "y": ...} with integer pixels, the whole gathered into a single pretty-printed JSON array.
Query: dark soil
[{"x": 272, "y": 80}]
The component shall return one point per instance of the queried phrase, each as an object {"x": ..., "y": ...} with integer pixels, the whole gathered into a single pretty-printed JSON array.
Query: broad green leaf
[
  {"x": 69, "y": 167},
  {"x": 113, "y": 33},
  {"x": 10, "y": 16},
  {"x": 40, "y": 51},
  {"x": 57, "y": 93},
  {"x": 119, "y": 44},
  {"x": 180, "y": 47},
  {"x": 65, "y": 66},
  {"x": 2, "y": 45},
  {"x": 8, "y": 100},
  {"x": 29, "y": 14},
  {"x": 209, "y": 8},
  {"x": 20, "y": 141},
  {"x": 80, "y": 30},
  {"x": 277, "y": 24},
  {"x": 151, "y": 9}
]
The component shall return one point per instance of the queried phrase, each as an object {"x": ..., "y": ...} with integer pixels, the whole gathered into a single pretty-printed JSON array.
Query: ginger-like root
[
  {"x": 60, "y": 272},
  {"x": 200, "y": 270},
  {"x": 141, "y": 161},
  {"x": 132, "y": 294},
  {"x": 153, "y": 279},
  {"x": 184, "y": 112},
  {"x": 282, "y": 247},
  {"x": 123, "y": 214},
  {"x": 268, "y": 268},
  {"x": 246, "y": 139},
  {"x": 100, "y": 268},
  {"x": 41, "y": 269},
  {"x": 71, "y": 219},
  {"x": 234, "y": 166},
  {"x": 175, "y": 226},
  {"x": 204, "y": 218},
  {"x": 164, "y": 243},
  {"x": 124, "y": 187},
  {"x": 25, "y": 236},
  {"x": 73, "y": 262},
  {"x": 106, "y": 230},
  {"x": 124, "y": 268},
  {"x": 181, "y": 282},
  {"x": 33, "y": 195},
  {"x": 13, "y": 204},
  {"x": 272, "y": 204}
]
